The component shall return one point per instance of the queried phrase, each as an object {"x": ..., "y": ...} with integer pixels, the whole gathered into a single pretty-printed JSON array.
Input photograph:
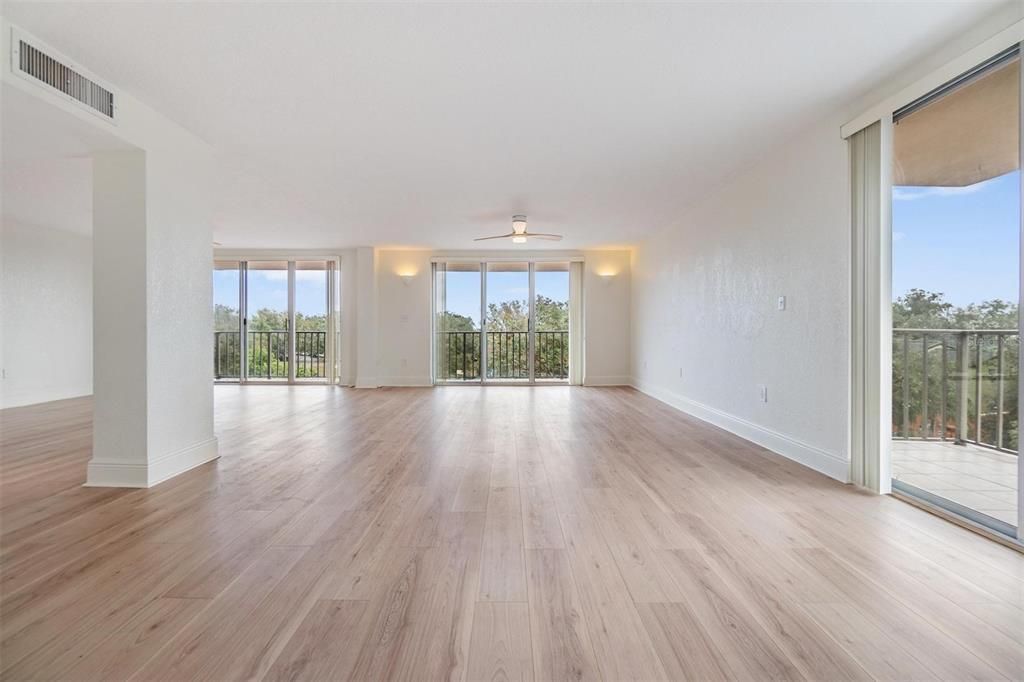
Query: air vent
[{"x": 33, "y": 62}]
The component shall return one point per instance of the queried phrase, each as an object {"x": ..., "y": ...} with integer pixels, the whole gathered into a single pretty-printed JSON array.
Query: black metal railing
[
  {"x": 507, "y": 355},
  {"x": 310, "y": 355},
  {"x": 267, "y": 354},
  {"x": 227, "y": 355},
  {"x": 956, "y": 384},
  {"x": 551, "y": 359}
]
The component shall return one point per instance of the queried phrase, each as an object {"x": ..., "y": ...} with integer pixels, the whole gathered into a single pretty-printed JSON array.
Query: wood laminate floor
[{"x": 465, "y": 533}]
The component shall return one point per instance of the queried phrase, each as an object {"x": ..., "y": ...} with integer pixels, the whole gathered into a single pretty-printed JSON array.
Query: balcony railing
[
  {"x": 268, "y": 354},
  {"x": 507, "y": 355},
  {"x": 957, "y": 385}
]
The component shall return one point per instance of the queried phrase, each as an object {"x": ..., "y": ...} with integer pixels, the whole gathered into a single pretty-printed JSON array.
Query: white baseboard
[
  {"x": 120, "y": 475},
  {"x": 607, "y": 381},
  {"x": 367, "y": 382},
  {"x": 828, "y": 463}
]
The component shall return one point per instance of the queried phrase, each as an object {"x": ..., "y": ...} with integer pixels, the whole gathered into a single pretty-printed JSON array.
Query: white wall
[
  {"x": 606, "y": 318},
  {"x": 403, "y": 318},
  {"x": 152, "y": 234},
  {"x": 349, "y": 303},
  {"x": 46, "y": 292},
  {"x": 706, "y": 329}
]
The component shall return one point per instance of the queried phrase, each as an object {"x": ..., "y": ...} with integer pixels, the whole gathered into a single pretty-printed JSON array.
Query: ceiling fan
[{"x": 519, "y": 233}]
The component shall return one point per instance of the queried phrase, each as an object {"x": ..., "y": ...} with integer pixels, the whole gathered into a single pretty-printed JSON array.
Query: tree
[
  {"x": 926, "y": 310},
  {"x": 919, "y": 309},
  {"x": 552, "y": 315},
  {"x": 508, "y": 316},
  {"x": 453, "y": 322},
  {"x": 225, "y": 318},
  {"x": 509, "y": 320}
]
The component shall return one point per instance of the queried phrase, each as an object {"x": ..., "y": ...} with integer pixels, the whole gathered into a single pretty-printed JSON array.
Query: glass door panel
[
  {"x": 311, "y": 306},
  {"x": 956, "y": 281},
  {"x": 551, "y": 312},
  {"x": 457, "y": 329},
  {"x": 507, "y": 342},
  {"x": 227, "y": 347},
  {"x": 267, "y": 322}
]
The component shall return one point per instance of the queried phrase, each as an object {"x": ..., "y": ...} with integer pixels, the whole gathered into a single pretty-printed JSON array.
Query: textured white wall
[
  {"x": 403, "y": 318},
  {"x": 705, "y": 326},
  {"x": 179, "y": 317},
  {"x": 46, "y": 304},
  {"x": 606, "y": 318},
  {"x": 152, "y": 239},
  {"x": 706, "y": 329}
]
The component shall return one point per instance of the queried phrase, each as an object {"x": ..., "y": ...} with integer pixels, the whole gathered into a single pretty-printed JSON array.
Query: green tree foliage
[
  {"x": 508, "y": 316},
  {"x": 513, "y": 316},
  {"x": 225, "y": 318},
  {"x": 920, "y": 309},
  {"x": 507, "y": 353},
  {"x": 453, "y": 322},
  {"x": 926, "y": 310},
  {"x": 269, "y": 320},
  {"x": 268, "y": 343}
]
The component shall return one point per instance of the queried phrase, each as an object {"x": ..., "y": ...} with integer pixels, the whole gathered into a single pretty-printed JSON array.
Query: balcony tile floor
[{"x": 980, "y": 478}]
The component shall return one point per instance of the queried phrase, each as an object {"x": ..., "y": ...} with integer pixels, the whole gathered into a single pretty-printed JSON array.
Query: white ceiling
[{"x": 431, "y": 124}]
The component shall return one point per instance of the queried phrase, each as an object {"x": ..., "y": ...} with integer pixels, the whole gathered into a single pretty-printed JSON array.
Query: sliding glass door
[
  {"x": 457, "y": 322},
  {"x": 267, "y": 321},
  {"x": 501, "y": 322},
  {"x": 551, "y": 306},
  {"x": 276, "y": 321},
  {"x": 507, "y": 325},
  {"x": 227, "y": 320},
  {"x": 312, "y": 305},
  {"x": 956, "y": 220}
]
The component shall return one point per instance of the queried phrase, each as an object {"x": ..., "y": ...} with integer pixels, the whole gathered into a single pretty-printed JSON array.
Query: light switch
[{"x": 782, "y": 303}]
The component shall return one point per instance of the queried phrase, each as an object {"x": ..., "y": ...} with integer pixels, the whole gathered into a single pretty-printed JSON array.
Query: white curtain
[
  {"x": 871, "y": 314},
  {"x": 576, "y": 323}
]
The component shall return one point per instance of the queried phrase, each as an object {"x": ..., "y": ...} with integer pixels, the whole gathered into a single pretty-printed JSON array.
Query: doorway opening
[{"x": 956, "y": 223}]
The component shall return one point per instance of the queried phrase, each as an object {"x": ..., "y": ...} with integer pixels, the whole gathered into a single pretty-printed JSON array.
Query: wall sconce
[
  {"x": 607, "y": 277},
  {"x": 407, "y": 279}
]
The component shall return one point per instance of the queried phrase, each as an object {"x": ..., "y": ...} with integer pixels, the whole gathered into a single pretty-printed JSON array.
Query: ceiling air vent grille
[{"x": 39, "y": 65}]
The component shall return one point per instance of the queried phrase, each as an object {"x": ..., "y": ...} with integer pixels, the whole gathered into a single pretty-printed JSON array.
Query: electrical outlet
[
  {"x": 782, "y": 303},
  {"x": 762, "y": 392}
]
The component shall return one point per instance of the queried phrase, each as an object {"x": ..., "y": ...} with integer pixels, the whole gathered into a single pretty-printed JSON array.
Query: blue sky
[
  {"x": 463, "y": 289},
  {"x": 269, "y": 289},
  {"x": 961, "y": 241}
]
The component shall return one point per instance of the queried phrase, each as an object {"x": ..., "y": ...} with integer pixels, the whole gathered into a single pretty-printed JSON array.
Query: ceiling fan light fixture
[{"x": 519, "y": 235}]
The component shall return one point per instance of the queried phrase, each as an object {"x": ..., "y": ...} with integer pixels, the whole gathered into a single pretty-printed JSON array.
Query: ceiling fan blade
[
  {"x": 498, "y": 236},
  {"x": 549, "y": 237}
]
